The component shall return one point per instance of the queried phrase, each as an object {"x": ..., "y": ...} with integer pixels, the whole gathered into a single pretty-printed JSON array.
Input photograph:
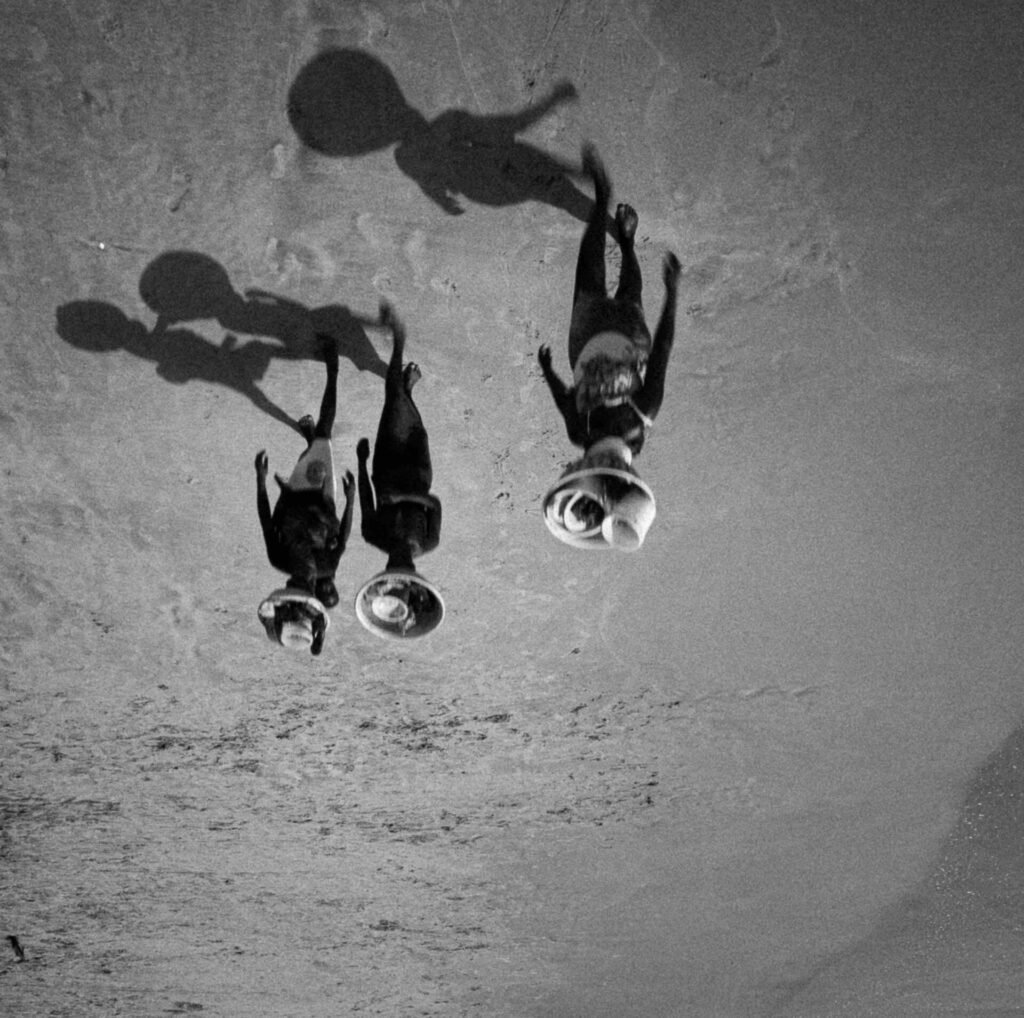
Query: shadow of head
[
  {"x": 179, "y": 354},
  {"x": 345, "y": 102},
  {"x": 186, "y": 286},
  {"x": 95, "y": 326}
]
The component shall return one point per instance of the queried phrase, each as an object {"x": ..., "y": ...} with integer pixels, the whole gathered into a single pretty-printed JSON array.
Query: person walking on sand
[
  {"x": 618, "y": 369},
  {"x": 399, "y": 514},
  {"x": 304, "y": 537}
]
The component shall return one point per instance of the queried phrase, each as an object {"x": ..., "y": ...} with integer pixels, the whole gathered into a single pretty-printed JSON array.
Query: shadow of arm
[
  {"x": 263, "y": 507},
  {"x": 367, "y": 509}
]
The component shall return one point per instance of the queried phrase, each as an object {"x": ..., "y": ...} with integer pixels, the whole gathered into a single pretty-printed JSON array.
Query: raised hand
[{"x": 671, "y": 270}]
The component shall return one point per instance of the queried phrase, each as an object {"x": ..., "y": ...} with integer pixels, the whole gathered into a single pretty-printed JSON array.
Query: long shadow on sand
[
  {"x": 185, "y": 286},
  {"x": 345, "y": 102}
]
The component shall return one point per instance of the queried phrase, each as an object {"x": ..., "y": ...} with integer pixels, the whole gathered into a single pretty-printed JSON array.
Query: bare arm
[
  {"x": 346, "y": 517},
  {"x": 433, "y": 537},
  {"x": 565, "y": 398},
  {"x": 263, "y": 501},
  {"x": 650, "y": 397},
  {"x": 367, "y": 509}
]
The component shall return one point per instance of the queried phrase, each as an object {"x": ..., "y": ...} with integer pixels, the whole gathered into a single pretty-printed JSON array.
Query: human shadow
[
  {"x": 186, "y": 286},
  {"x": 345, "y": 102}
]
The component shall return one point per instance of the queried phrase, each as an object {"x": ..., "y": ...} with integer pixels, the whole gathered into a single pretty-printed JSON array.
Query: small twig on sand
[{"x": 103, "y": 245}]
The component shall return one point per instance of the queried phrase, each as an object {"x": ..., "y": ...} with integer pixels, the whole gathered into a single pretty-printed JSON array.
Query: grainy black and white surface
[{"x": 771, "y": 765}]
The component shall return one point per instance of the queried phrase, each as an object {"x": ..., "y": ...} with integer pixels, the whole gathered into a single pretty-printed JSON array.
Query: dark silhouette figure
[
  {"x": 180, "y": 356},
  {"x": 618, "y": 371},
  {"x": 185, "y": 286},
  {"x": 304, "y": 536},
  {"x": 345, "y": 102},
  {"x": 399, "y": 515}
]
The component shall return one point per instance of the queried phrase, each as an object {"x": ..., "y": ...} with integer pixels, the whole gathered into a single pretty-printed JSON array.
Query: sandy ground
[{"x": 771, "y": 765}]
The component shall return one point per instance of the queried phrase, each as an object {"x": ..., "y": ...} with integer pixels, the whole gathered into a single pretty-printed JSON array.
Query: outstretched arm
[
  {"x": 514, "y": 123},
  {"x": 263, "y": 500},
  {"x": 649, "y": 398},
  {"x": 348, "y": 488},
  {"x": 367, "y": 509},
  {"x": 564, "y": 397}
]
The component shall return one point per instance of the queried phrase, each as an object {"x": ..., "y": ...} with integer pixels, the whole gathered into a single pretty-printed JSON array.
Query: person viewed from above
[
  {"x": 618, "y": 370},
  {"x": 399, "y": 514},
  {"x": 304, "y": 536},
  {"x": 618, "y": 384}
]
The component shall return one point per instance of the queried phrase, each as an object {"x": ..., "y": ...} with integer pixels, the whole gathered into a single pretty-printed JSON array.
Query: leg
[
  {"x": 328, "y": 405},
  {"x": 410, "y": 376},
  {"x": 630, "y": 282},
  {"x": 590, "y": 275},
  {"x": 653, "y": 392},
  {"x": 401, "y": 454}
]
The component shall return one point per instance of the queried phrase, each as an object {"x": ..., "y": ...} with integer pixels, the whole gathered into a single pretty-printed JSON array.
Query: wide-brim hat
[
  {"x": 597, "y": 508},
  {"x": 399, "y": 604},
  {"x": 294, "y": 635}
]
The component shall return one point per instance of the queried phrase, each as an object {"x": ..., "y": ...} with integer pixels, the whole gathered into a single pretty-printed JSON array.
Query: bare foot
[
  {"x": 390, "y": 320},
  {"x": 626, "y": 220},
  {"x": 411, "y": 375}
]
